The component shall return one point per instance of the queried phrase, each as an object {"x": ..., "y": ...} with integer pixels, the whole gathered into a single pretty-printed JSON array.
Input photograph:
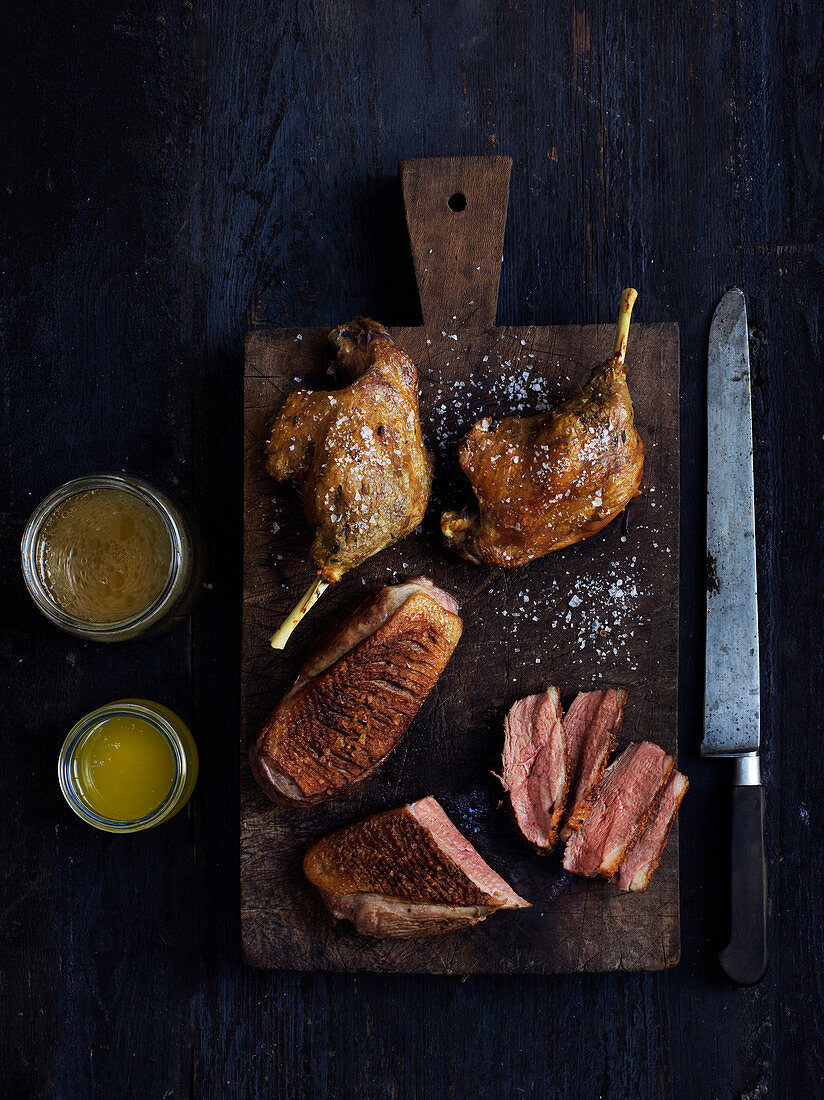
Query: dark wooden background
[{"x": 173, "y": 172}]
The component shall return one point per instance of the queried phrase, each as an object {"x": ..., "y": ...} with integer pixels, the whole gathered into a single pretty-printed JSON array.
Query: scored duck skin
[
  {"x": 356, "y": 694},
  {"x": 545, "y": 482},
  {"x": 638, "y": 867},
  {"x": 535, "y": 769},
  {"x": 404, "y": 873},
  {"x": 632, "y": 787},
  {"x": 357, "y": 453},
  {"x": 591, "y": 725}
]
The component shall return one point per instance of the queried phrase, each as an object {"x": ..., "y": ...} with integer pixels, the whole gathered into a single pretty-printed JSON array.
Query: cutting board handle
[{"x": 456, "y": 213}]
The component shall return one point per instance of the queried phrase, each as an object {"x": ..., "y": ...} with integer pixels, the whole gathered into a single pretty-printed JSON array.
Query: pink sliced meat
[
  {"x": 535, "y": 771},
  {"x": 636, "y": 870},
  {"x": 590, "y": 725},
  {"x": 632, "y": 787}
]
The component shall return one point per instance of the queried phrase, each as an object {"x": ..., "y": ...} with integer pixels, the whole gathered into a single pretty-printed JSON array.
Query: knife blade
[
  {"x": 731, "y": 698},
  {"x": 732, "y": 680}
]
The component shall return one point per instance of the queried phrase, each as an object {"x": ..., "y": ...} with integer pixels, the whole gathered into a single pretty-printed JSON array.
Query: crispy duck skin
[
  {"x": 591, "y": 726},
  {"x": 535, "y": 770},
  {"x": 357, "y": 694},
  {"x": 357, "y": 453},
  {"x": 404, "y": 873},
  {"x": 638, "y": 868},
  {"x": 633, "y": 784},
  {"x": 545, "y": 482}
]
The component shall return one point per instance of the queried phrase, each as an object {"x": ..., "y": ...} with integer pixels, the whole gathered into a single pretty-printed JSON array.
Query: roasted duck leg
[
  {"x": 357, "y": 454},
  {"x": 544, "y": 482}
]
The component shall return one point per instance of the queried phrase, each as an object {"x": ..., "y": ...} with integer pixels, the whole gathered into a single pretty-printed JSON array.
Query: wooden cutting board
[{"x": 600, "y": 613}]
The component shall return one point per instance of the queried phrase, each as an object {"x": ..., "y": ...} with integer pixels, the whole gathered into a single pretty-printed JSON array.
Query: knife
[{"x": 732, "y": 685}]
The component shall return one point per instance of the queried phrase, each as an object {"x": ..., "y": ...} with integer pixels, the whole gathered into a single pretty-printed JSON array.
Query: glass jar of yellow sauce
[
  {"x": 128, "y": 766},
  {"x": 108, "y": 557}
]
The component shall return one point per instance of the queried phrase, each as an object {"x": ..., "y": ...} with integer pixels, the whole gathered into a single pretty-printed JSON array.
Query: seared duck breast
[
  {"x": 406, "y": 872},
  {"x": 357, "y": 694}
]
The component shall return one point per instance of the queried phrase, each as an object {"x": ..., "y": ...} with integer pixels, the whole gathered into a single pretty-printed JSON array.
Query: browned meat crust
[
  {"x": 390, "y": 854},
  {"x": 406, "y": 872},
  {"x": 357, "y": 453},
  {"x": 544, "y": 482},
  {"x": 339, "y": 725}
]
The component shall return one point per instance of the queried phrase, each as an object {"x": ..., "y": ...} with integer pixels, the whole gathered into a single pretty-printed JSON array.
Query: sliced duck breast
[
  {"x": 590, "y": 725},
  {"x": 632, "y": 787},
  {"x": 406, "y": 872},
  {"x": 637, "y": 869},
  {"x": 357, "y": 694},
  {"x": 535, "y": 774}
]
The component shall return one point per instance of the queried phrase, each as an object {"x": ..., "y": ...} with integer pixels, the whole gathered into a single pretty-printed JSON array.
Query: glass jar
[
  {"x": 171, "y": 731},
  {"x": 179, "y": 590}
]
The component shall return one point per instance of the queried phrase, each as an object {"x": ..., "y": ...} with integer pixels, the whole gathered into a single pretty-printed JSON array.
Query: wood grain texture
[
  {"x": 603, "y": 612},
  {"x": 173, "y": 172}
]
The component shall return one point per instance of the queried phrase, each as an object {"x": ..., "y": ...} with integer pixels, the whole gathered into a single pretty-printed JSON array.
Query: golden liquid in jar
[
  {"x": 124, "y": 768},
  {"x": 104, "y": 555}
]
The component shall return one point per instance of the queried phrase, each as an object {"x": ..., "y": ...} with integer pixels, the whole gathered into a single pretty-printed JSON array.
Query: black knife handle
[{"x": 745, "y": 958}]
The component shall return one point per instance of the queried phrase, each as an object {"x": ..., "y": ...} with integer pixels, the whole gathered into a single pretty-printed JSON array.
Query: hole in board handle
[{"x": 457, "y": 202}]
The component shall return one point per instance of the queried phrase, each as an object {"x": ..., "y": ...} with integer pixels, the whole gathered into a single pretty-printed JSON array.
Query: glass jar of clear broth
[{"x": 108, "y": 557}]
